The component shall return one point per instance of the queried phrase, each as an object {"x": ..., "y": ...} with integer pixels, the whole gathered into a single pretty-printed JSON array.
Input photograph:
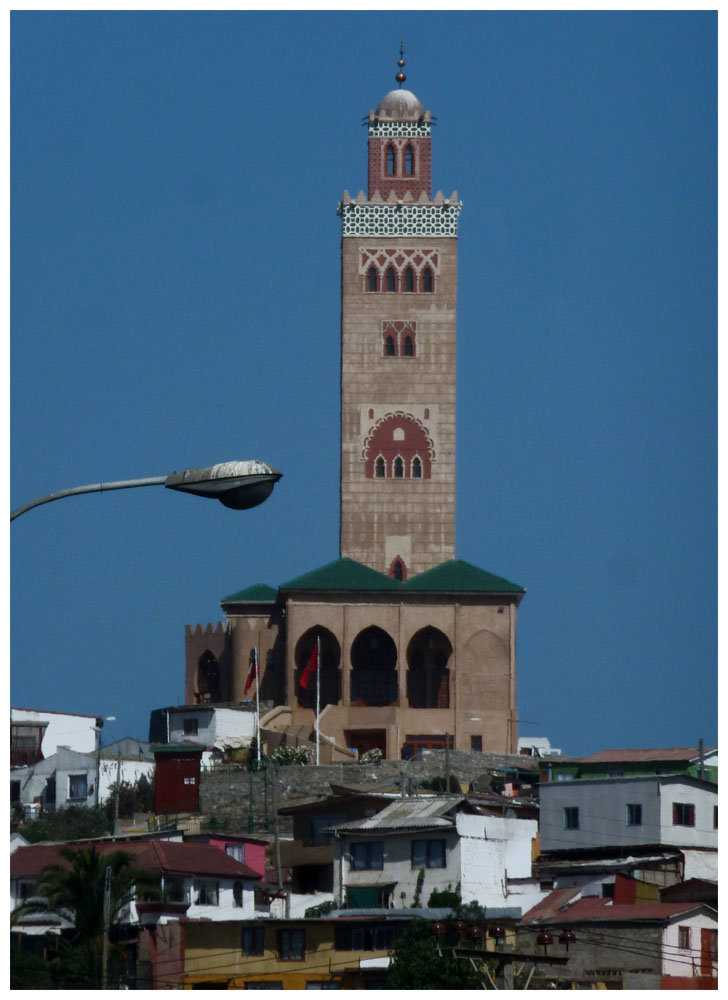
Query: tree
[
  {"x": 76, "y": 892},
  {"x": 417, "y": 965},
  {"x": 72, "y": 823}
]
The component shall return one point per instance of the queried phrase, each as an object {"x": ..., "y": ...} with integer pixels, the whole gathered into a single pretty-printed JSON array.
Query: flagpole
[
  {"x": 318, "y": 693},
  {"x": 257, "y": 702}
]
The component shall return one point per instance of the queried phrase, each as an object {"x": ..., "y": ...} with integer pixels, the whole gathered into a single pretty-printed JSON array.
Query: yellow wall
[{"x": 212, "y": 953}]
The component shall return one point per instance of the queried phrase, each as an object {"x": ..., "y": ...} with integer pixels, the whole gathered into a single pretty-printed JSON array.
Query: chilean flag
[
  {"x": 310, "y": 667},
  {"x": 252, "y": 670}
]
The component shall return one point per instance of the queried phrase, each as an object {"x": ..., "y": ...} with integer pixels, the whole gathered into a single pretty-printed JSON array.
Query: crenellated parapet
[{"x": 201, "y": 631}]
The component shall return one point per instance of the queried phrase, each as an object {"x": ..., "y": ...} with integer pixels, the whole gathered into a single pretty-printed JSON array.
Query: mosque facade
[{"x": 417, "y": 648}]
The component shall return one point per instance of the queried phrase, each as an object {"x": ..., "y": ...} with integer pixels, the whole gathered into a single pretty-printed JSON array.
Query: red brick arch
[{"x": 398, "y": 435}]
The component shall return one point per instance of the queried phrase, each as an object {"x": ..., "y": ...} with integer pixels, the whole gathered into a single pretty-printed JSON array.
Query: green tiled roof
[
  {"x": 259, "y": 593},
  {"x": 456, "y": 575},
  {"x": 342, "y": 574}
]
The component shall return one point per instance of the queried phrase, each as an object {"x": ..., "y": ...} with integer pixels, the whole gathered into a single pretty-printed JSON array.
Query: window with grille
[{"x": 683, "y": 937}]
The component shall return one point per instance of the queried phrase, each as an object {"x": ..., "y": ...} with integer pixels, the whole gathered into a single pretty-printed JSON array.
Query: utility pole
[
  {"x": 107, "y": 921},
  {"x": 116, "y": 795},
  {"x": 279, "y": 871}
]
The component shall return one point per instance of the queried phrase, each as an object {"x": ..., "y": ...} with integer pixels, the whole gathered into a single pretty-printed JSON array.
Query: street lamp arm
[
  {"x": 126, "y": 484},
  {"x": 237, "y": 485}
]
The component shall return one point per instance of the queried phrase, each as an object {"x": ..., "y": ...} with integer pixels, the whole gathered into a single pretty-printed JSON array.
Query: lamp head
[{"x": 238, "y": 485}]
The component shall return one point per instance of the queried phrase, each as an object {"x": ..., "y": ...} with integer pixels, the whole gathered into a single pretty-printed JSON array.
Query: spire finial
[{"x": 400, "y": 77}]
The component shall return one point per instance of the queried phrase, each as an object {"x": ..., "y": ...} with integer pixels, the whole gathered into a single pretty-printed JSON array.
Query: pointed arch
[
  {"x": 428, "y": 677},
  {"x": 372, "y": 279},
  {"x": 330, "y": 667},
  {"x": 208, "y": 678},
  {"x": 374, "y": 668},
  {"x": 427, "y": 280},
  {"x": 390, "y": 157},
  {"x": 380, "y": 467},
  {"x": 398, "y": 569},
  {"x": 390, "y": 279},
  {"x": 409, "y": 160},
  {"x": 409, "y": 279}
]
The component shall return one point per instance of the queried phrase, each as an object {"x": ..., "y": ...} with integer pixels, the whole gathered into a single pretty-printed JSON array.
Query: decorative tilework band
[
  {"x": 410, "y": 130},
  {"x": 399, "y": 220}
]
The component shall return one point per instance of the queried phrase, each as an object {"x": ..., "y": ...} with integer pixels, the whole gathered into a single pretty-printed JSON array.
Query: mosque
[{"x": 417, "y": 648}]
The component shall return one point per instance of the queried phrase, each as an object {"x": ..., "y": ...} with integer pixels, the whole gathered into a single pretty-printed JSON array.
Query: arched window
[
  {"x": 390, "y": 160},
  {"x": 409, "y": 347},
  {"x": 409, "y": 280},
  {"x": 427, "y": 280},
  {"x": 237, "y": 893},
  {"x": 398, "y": 468},
  {"x": 372, "y": 282},
  {"x": 391, "y": 280},
  {"x": 409, "y": 161},
  {"x": 398, "y": 570},
  {"x": 416, "y": 468},
  {"x": 373, "y": 668},
  {"x": 208, "y": 678},
  {"x": 389, "y": 347},
  {"x": 428, "y": 676},
  {"x": 330, "y": 681},
  {"x": 379, "y": 468}
]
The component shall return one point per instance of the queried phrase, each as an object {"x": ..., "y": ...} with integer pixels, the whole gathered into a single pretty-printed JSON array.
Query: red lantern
[
  {"x": 497, "y": 931},
  {"x": 567, "y": 938},
  {"x": 545, "y": 939},
  {"x": 474, "y": 933},
  {"x": 437, "y": 928},
  {"x": 458, "y": 927}
]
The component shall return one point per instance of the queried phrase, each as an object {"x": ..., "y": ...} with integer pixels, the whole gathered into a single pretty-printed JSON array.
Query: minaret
[{"x": 398, "y": 281}]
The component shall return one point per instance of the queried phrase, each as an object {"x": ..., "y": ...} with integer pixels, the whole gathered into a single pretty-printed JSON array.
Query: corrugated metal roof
[{"x": 405, "y": 814}]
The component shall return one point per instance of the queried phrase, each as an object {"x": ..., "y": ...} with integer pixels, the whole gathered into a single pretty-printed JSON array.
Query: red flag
[
  {"x": 309, "y": 668},
  {"x": 252, "y": 670}
]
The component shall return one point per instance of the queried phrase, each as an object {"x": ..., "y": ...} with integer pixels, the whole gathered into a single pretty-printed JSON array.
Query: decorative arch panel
[{"x": 399, "y": 436}]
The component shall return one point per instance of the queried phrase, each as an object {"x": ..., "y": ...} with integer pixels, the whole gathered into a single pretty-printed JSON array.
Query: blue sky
[{"x": 175, "y": 302}]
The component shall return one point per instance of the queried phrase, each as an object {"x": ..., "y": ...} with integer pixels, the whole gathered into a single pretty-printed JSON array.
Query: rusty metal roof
[{"x": 408, "y": 814}]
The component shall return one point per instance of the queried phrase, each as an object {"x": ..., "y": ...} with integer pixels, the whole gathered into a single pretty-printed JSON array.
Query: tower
[{"x": 398, "y": 281}]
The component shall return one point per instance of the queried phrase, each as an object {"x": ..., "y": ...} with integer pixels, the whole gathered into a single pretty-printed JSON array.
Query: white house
[
  {"x": 397, "y": 857},
  {"x": 661, "y": 810},
  {"x": 214, "y": 726},
  {"x": 67, "y": 729},
  {"x": 202, "y": 880}
]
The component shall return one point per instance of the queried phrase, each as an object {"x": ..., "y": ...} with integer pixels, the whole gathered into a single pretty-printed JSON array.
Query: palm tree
[{"x": 77, "y": 893}]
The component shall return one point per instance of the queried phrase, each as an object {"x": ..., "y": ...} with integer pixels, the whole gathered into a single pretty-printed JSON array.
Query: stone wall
[{"x": 225, "y": 791}]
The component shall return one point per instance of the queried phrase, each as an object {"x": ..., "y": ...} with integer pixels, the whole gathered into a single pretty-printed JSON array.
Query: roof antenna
[{"x": 400, "y": 77}]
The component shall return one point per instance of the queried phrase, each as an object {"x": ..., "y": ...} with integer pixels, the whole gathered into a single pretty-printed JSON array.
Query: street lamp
[{"x": 238, "y": 485}]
